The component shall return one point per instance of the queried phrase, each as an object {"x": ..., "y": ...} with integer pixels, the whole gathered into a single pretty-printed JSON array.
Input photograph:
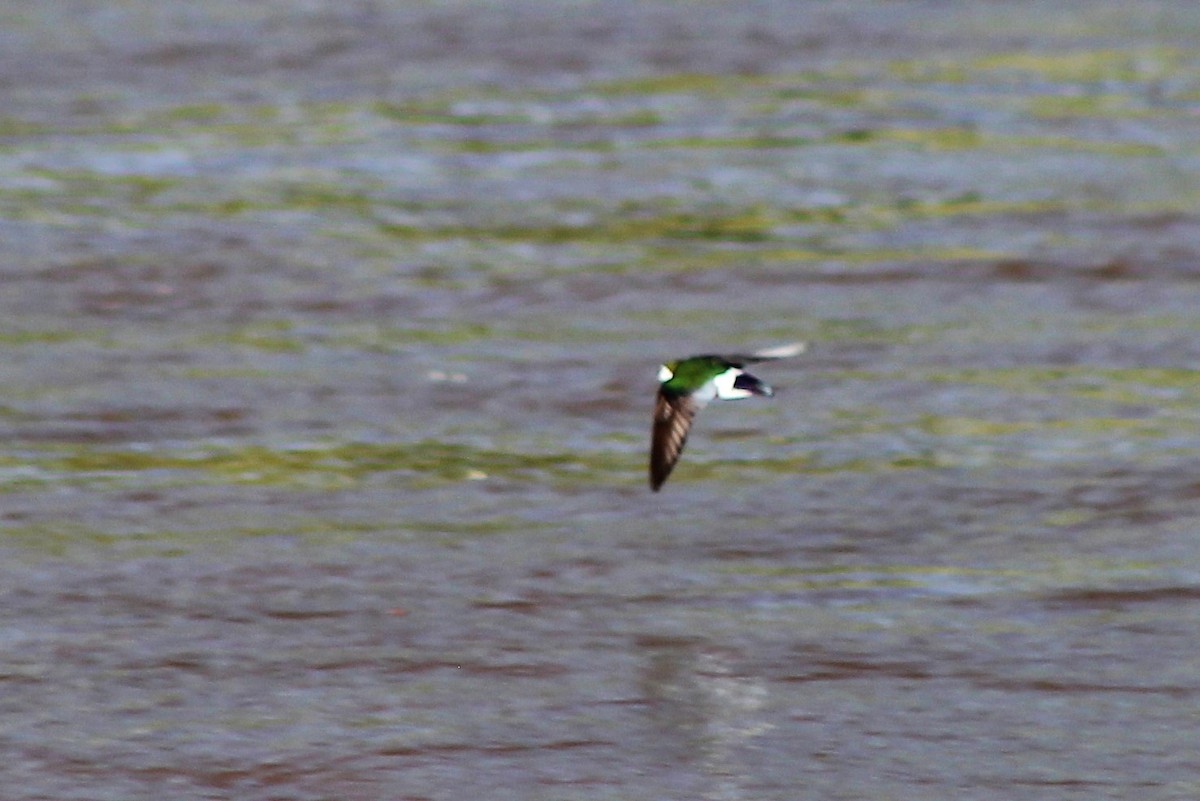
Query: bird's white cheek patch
[
  {"x": 665, "y": 374},
  {"x": 725, "y": 387}
]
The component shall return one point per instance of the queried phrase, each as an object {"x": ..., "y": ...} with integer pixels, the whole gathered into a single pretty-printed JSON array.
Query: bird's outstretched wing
[
  {"x": 766, "y": 354},
  {"x": 781, "y": 351},
  {"x": 672, "y": 420}
]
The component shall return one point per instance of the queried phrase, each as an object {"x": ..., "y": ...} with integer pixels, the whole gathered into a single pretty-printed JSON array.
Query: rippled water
[{"x": 330, "y": 334}]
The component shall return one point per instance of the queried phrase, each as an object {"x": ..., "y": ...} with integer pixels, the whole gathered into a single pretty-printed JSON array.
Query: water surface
[{"x": 329, "y": 340}]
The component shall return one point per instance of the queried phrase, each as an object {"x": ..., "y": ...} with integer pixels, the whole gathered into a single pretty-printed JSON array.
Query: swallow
[{"x": 687, "y": 385}]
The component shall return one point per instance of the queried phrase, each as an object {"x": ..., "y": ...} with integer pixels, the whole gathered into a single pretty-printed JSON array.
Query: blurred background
[{"x": 329, "y": 335}]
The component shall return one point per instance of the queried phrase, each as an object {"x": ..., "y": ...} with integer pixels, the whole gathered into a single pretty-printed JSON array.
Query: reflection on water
[
  {"x": 328, "y": 367},
  {"x": 701, "y": 711}
]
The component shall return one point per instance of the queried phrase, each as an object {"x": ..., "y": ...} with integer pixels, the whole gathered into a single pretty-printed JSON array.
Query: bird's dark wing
[{"x": 672, "y": 420}]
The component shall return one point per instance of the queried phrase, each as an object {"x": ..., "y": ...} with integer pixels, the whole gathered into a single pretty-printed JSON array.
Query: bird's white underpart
[{"x": 722, "y": 386}]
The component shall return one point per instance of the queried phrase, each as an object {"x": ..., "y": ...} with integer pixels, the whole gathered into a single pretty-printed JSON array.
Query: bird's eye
[{"x": 665, "y": 373}]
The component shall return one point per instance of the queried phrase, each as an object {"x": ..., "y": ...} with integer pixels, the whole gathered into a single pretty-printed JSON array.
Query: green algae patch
[
  {"x": 967, "y": 138},
  {"x": 443, "y": 113},
  {"x": 690, "y": 83},
  {"x": 1087, "y": 66},
  {"x": 973, "y": 204},
  {"x": 1088, "y": 427},
  {"x": 751, "y": 224},
  {"x": 135, "y": 188},
  {"x": 62, "y": 538},
  {"x": 266, "y": 335},
  {"x": 663, "y": 228},
  {"x": 1069, "y": 517},
  {"x": 16, "y": 127},
  {"x": 1152, "y": 385},
  {"x": 377, "y": 337},
  {"x": 809, "y": 462},
  {"x": 329, "y": 467},
  {"x": 45, "y": 337},
  {"x": 1100, "y": 104},
  {"x": 82, "y": 193},
  {"x": 1079, "y": 67},
  {"x": 752, "y": 142}
]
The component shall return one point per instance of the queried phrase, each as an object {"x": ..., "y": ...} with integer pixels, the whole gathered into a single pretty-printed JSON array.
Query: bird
[{"x": 687, "y": 385}]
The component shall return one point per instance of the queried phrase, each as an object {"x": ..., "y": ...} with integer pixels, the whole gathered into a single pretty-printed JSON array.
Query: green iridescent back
[{"x": 691, "y": 374}]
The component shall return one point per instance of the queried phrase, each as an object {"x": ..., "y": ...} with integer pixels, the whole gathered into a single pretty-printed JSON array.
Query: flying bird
[{"x": 687, "y": 385}]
